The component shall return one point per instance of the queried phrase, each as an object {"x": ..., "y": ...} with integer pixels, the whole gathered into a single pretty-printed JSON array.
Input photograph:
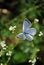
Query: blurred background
[{"x": 12, "y": 15}]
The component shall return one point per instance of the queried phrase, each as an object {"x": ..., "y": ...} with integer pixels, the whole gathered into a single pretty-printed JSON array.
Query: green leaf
[{"x": 19, "y": 57}]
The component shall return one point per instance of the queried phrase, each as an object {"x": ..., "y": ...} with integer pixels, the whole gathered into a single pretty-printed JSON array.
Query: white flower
[
  {"x": 40, "y": 34},
  {"x": 4, "y": 48},
  {"x": 12, "y": 28},
  {"x": 39, "y": 58},
  {"x": 33, "y": 61},
  {"x": 33, "y": 64},
  {"x": 30, "y": 61},
  {"x": 2, "y": 43},
  {"x": 1, "y": 64},
  {"x": 9, "y": 53},
  {"x": 36, "y": 20}
]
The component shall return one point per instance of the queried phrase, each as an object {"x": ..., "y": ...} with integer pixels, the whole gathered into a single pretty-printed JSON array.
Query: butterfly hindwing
[
  {"x": 29, "y": 37},
  {"x": 31, "y": 31},
  {"x": 21, "y": 36}
]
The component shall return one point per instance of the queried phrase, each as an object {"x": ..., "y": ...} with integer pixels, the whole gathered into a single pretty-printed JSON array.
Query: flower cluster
[
  {"x": 3, "y": 45},
  {"x": 33, "y": 61},
  {"x": 40, "y": 34},
  {"x": 9, "y": 53},
  {"x": 12, "y": 28}
]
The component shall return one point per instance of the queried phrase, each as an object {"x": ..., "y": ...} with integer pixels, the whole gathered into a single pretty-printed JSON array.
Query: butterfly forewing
[{"x": 26, "y": 25}]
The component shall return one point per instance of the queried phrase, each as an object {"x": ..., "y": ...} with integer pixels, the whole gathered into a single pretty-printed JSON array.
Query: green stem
[{"x": 7, "y": 61}]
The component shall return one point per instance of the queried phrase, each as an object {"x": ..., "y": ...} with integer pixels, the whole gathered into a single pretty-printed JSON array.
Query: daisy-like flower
[
  {"x": 36, "y": 20},
  {"x": 2, "y": 44},
  {"x": 12, "y": 28},
  {"x": 9, "y": 53},
  {"x": 41, "y": 33}
]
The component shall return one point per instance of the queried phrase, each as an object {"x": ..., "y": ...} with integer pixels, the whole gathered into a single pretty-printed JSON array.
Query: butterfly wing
[
  {"x": 26, "y": 25},
  {"x": 29, "y": 37},
  {"x": 31, "y": 31},
  {"x": 20, "y": 36}
]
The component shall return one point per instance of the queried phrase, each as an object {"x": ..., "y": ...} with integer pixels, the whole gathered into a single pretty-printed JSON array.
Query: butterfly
[{"x": 28, "y": 33}]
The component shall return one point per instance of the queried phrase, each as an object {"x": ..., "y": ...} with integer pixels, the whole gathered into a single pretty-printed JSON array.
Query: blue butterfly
[{"x": 28, "y": 33}]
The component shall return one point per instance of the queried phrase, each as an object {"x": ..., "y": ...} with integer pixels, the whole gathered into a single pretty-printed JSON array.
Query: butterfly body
[
  {"x": 28, "y": 33},
  {"x": 25, "y": 33}
]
